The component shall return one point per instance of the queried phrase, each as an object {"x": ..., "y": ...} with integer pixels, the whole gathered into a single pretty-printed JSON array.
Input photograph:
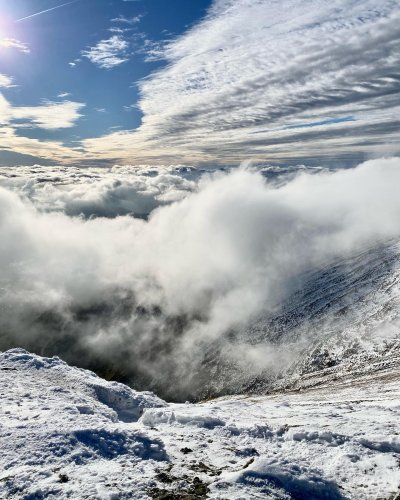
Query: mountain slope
[{"x": 342, "y": 322}]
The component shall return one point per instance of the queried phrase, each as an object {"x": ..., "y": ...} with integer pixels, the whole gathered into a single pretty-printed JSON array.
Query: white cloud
[
  {"x": 118, "y": 30},
  {"x": 49, "y": 115},
  {"x": 106, "y": 192},
  {"x": 127, "y": 20},
  {"x": 12, "y": 43},
  {"x": 5, "y": 110},
  {"x": 160, "y": 295},
  {"x": 53, "y": 150},
  {"x": 108, "y": 53},
  {"x": 276, "y": 85},
  {"x": 6, "y": 81}
]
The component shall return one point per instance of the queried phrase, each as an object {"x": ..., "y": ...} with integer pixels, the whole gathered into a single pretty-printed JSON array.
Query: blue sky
[
  {"x": 56, "y": 40},
  {"x": 179, "y": 81}
]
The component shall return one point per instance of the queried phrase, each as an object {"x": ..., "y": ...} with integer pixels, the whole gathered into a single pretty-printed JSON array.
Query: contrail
[{"x": 47, "y": 10}]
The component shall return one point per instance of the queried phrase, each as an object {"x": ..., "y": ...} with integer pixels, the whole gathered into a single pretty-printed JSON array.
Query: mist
[{"x": 158, "y": 285}]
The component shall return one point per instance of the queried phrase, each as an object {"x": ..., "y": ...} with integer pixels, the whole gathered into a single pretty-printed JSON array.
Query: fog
[{"x": 164, "y": 300}]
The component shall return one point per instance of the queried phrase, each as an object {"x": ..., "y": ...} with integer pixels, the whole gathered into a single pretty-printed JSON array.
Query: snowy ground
[{"x": 65, "y": 433}]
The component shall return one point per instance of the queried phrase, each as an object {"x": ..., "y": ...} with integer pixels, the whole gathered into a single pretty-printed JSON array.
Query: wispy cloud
[
  {"x": 127, "y": 20},
  {"x": 118, "y": 30},
  {"x": 74, "y": 62},
  {"x": 47, "y": 10},
  {"x": 49, "y": 115},
  {"x": 108, "y": 53},
  {"x": 13, "y": 43},
  {"x": 232, "y": 90},
  {"x": 6, "y": 81}
]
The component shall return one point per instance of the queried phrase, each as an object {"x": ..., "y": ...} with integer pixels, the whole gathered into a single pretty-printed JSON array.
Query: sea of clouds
[{"x": 144, "y": 273}]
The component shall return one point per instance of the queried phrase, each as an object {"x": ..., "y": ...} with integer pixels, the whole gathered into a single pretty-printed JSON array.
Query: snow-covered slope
[
  {"x": 66, "y": 433},
  {"x": 349, "y": 318},
  {"x": 340, "y": 323}
]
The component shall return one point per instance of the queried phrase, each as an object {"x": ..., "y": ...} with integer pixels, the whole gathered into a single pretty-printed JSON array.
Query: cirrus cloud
[
  {"x": 13, "y": 43},
  {"x": 298, "y": 79}
]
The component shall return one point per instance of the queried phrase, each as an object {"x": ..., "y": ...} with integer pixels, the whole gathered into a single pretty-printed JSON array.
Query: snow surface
[{"x": 66, "y": 433}]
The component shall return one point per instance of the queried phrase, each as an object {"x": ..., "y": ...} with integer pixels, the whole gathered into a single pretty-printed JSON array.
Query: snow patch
[
  {"x": 152, "y": 417},
  {"x": 65, "y": 433},
  {"x": 128, "y": 404}
]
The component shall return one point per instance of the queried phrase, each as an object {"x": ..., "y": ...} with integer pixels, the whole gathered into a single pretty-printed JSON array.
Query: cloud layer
[
  {"x": 101, "y": 192},
  {"x": 297, "y": 79},
  {"x": 156, "y": 300}
]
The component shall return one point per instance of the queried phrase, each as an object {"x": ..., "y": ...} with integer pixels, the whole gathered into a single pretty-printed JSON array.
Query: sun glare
[{"x": 10, "y": 36}]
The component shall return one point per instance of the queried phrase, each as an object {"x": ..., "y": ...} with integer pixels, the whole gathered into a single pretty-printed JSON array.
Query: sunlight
[{"x": 10, "y": 35}]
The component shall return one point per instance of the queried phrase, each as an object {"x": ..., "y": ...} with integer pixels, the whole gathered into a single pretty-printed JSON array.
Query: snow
[{"x": 66, "y": 433}]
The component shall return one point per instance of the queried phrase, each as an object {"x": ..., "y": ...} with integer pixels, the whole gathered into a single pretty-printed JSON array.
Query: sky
[{"x": 210, "y": 82}]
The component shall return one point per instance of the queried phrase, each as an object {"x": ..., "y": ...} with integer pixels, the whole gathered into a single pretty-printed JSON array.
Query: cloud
[
  {"x": 127, "y": 20},
  {"x": 118, "y": 30},
  {"x": 49, "y": 115},
  {"x": 232, "y": 90},
  {"x": 12, "y": 43},
  {"x": 108, "y": 53},
  {"x": 6, "y": 81},
  {"x": 106, "y": 192},
  {"x": 5, "y": 110},
  {"x": 52, "y": 150},
  {"x": 168, "y": 297}
]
